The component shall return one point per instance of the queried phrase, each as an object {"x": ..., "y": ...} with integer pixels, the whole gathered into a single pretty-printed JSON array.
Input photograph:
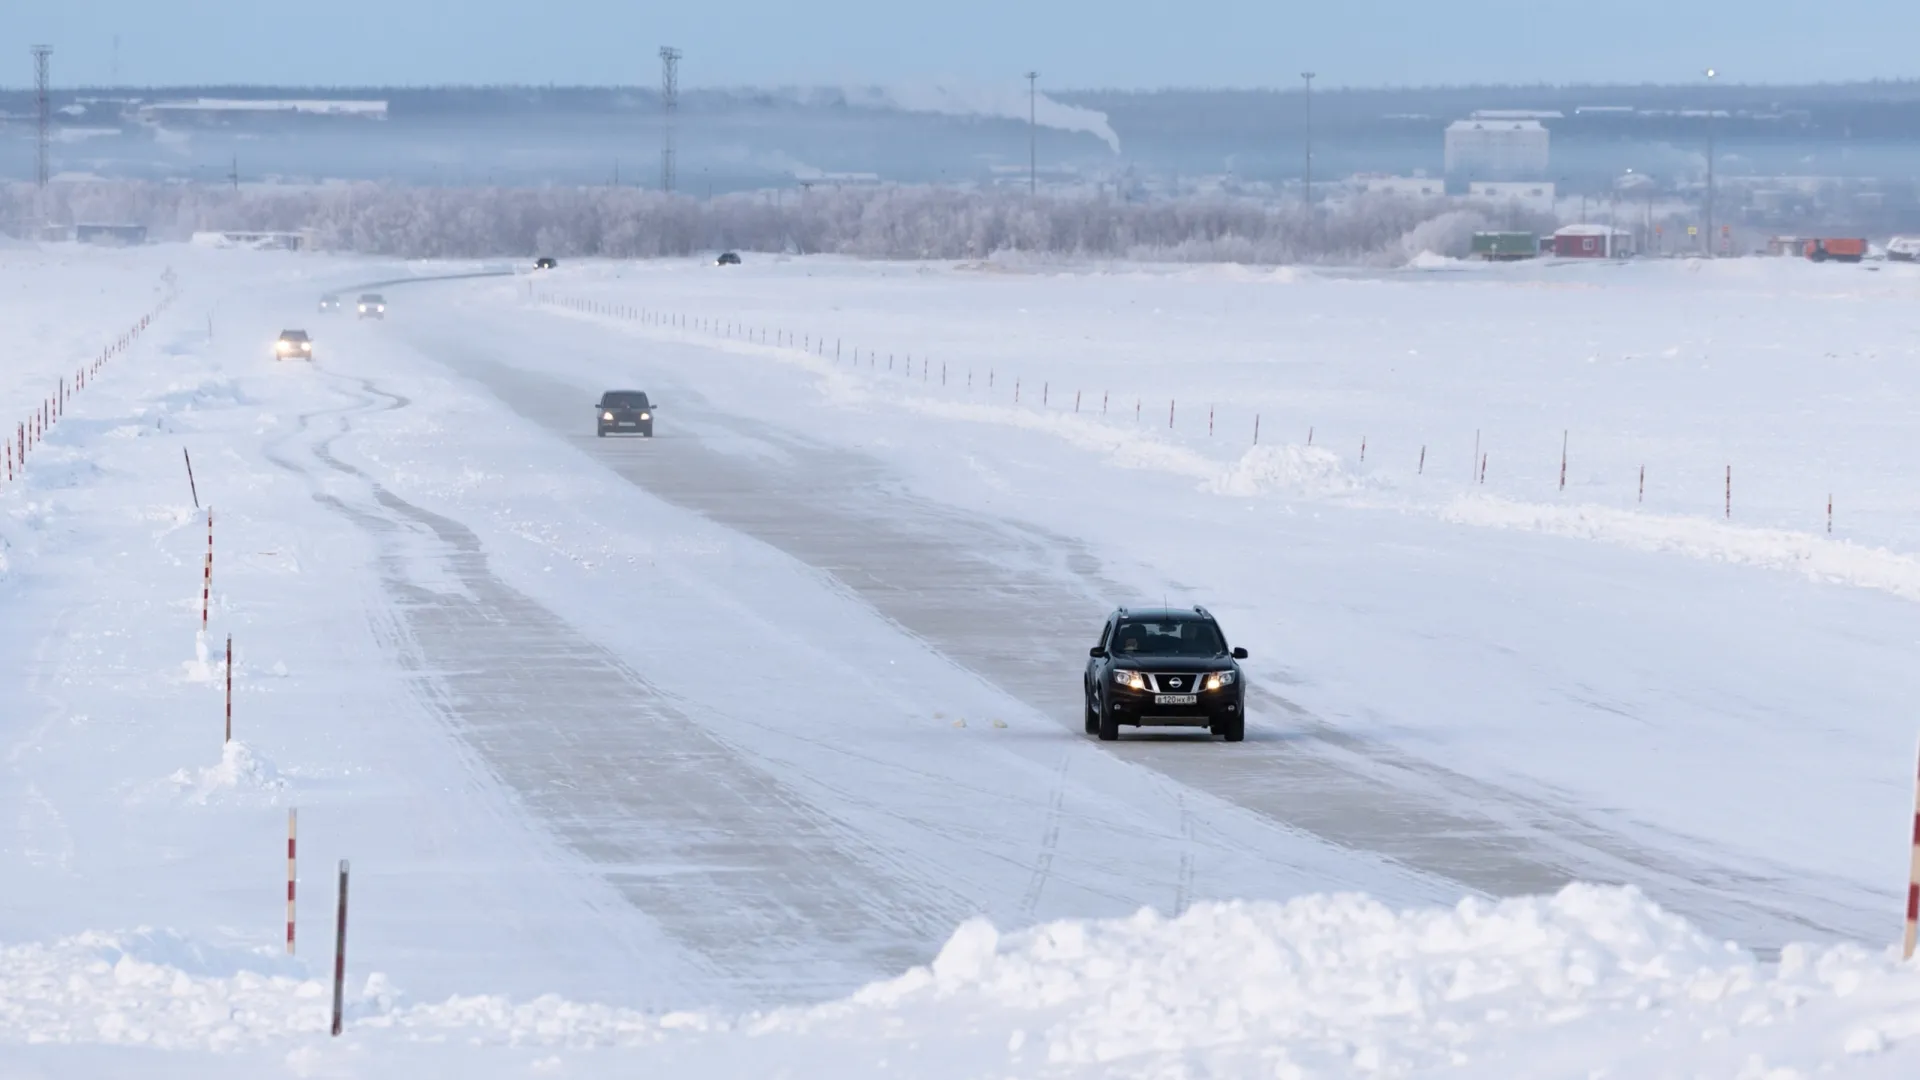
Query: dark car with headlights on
[
  {"x": 625, "y": 411},
  {"x": 373, "y": 306},
  {"x": 293, "y": 345},
  {"x": 1163, "y": 667}
]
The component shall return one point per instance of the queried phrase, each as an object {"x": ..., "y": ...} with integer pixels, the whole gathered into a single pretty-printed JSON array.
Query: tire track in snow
[{"x": 1049, "y": 841}]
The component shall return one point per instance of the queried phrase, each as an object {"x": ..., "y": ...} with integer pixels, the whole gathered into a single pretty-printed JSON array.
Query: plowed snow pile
[{"x": 1591, "y": 982}]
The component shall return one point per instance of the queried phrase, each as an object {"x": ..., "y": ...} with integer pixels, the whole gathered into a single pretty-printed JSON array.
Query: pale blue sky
[{"x": 1074, "y": 43}]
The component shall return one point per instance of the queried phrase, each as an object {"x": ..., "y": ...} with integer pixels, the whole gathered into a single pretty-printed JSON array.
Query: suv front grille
[{"x": 1176, "y": 682}]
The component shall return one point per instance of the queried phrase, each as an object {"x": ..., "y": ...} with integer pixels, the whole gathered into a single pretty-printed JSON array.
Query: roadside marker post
[
  {"x": 340, "y": 951},
  {"x": 229, "y": 688},
  {"x": 293, "y": 820}
]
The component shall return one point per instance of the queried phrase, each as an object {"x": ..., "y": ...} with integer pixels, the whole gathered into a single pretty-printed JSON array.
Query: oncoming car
[
  {"x": 373, "y": 306},
  {"x": 624, "y": 410},
  {"x": 329, "y": 304},
  {"x": 545, "y": 263},
  {"x": 293, "y": 345},
  {"x": 1162, "y": 667},
  {"x": 727, "y": 258}
]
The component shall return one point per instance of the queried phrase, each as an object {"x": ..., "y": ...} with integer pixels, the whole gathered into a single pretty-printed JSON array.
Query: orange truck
[{"x": 1839, "y": 249}]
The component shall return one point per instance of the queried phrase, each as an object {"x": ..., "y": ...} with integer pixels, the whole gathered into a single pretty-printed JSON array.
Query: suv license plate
[{"x": 1176, "y": 699}]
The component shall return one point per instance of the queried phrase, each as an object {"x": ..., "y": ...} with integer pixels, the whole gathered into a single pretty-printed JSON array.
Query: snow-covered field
[{"x": 727, "y": 753}]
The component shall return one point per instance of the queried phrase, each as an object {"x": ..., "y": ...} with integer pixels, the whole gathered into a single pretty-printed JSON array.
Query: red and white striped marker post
[
  {"x": 206, "y": 578},
  {"x": 293, "y": 819},
  {"x": 229, "y": 688},
  {"x": 1913, "y": 880}
]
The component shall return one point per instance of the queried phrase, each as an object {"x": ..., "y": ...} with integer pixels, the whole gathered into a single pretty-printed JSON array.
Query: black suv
[
  {"x": 727, "y": 258},
  {"x": 1158, "y": 667},
  {"x": 625, "y": 410}
]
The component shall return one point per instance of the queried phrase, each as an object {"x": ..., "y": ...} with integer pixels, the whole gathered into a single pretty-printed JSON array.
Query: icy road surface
[{"x": 756, "y": 713}]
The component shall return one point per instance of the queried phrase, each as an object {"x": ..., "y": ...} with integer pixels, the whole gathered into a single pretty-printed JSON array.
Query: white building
[
  {"x": 1410, "y": 187},
  {"x": 1496, "y": 149},
  {"x": 1530, "y": 194}
]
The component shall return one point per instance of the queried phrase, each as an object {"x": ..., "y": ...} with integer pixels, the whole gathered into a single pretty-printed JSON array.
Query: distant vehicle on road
[
  {"x": 727, "y": 258},
  {"x": 625, "y": 411},
  {"x": 329, "y": 304},
  {"x": 1839, "y": 249},
  {"x": 293, "y": 345},
  {"x": 373, "y": 306},
  {"x": 1163, "y": 667},
  {"x": 544, "y": 263}
]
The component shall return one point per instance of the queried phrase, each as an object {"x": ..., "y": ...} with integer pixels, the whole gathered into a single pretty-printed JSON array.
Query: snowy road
[
  {"x": 720, "y": 750},
  {"x": 1011, "y": 603}
]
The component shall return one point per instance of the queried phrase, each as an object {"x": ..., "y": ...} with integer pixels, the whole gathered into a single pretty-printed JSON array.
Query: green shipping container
[{"x": 1505, "y": 245}]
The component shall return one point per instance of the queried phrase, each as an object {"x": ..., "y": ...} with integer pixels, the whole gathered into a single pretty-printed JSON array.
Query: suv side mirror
[
  {"x": 1097, "y": 652},
  {"x": 1239, "y": 654}
]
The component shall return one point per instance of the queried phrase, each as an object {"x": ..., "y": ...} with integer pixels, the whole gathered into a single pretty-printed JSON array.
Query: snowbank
[
  {"x": 1330, "y": 985},
  {"x": 1820, "y": 559},
  {"x": 241, "y": 769}
]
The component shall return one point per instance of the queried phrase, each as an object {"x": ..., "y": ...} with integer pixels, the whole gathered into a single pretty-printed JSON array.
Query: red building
[{"x": 1592, "y": 242}]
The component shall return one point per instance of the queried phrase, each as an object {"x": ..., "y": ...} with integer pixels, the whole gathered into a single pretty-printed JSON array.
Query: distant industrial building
[
  {"x": 1497, "y": 149},
  {"x": 1530, "y": 194},
  {"x": 110, "y": 234},
  {"x": 1411, "y": 187}
]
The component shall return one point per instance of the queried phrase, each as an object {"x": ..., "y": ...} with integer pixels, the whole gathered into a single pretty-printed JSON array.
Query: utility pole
[
  {"x": 233, "y": 174},
  {"x": 43, "y": 106},
  {"x": 669, "y": 104},
  {"x": 1033, "y": 154},
  {"x": 1307, "y": 174},
  {"x": 1710, "y": 74}
]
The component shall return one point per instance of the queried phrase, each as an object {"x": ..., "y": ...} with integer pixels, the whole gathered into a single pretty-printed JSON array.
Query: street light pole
[
  {"x": 1710, "y": 74},
  {"x": 1307, "y": 174},
  {"x": 1033, "y": 175}
]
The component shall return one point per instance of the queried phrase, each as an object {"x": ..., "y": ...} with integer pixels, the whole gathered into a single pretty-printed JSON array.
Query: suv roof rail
[
  {"x": 1122, "y": 609},
  {"x": 1203, "y": 611}
]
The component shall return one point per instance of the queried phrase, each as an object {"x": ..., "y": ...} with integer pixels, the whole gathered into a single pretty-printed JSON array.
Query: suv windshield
[
  {"x": 293, "y": 335},
  {"x": 634, "y": 400},
  {"x": 372, "y": 298},
  {"x": 1166, "y": 637}
]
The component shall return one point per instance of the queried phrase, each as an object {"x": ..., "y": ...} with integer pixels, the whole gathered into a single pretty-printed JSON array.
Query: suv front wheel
[
  {"x": 1093, "y": 714},
  {"x": 1105, "y": 723},
  {"x": 1231, "y": 728}
]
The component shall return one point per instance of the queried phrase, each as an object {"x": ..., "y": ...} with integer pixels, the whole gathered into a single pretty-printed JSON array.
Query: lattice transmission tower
[
  {"x": 43, "y": 107},
  {"x": 669, "y": 104}
]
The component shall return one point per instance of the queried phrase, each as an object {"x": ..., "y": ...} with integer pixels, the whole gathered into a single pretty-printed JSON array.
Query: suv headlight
[
  {"x": 606, "y": 416},
  {"x": 1132, "y": 680},
  {"x": 1218, "y": 679},
  {"x": 646, "y": 416}
]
